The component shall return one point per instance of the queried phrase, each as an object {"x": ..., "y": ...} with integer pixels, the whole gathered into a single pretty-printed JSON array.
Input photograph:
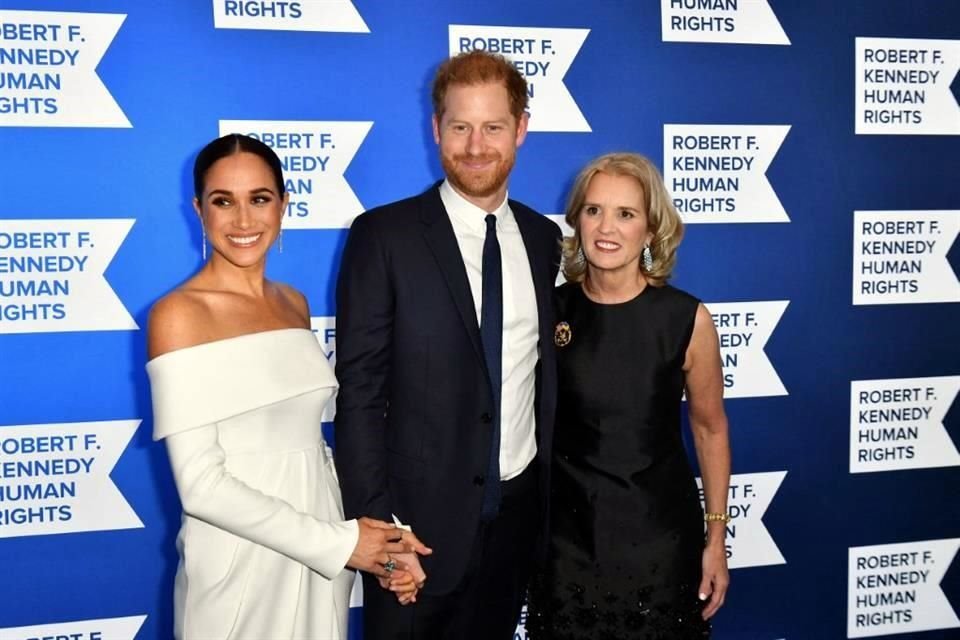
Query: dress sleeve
[{"x": 210, "y": 493}]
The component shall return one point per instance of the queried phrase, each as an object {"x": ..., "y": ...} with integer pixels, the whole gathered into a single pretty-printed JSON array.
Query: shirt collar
[{"x": 467, "y": 215}]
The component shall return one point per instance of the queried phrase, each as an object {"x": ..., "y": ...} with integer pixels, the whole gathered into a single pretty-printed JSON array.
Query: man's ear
[{"x": 522, "y": 124}]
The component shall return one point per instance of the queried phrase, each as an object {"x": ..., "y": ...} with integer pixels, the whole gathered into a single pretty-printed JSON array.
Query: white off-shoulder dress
[{"x": 263, "y": 543}]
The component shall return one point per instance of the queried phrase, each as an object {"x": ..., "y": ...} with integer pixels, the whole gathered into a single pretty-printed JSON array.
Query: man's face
[{"x": 478, "y": 138}]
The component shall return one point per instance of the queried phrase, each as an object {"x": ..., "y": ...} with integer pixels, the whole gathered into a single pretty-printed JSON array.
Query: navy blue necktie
[{"x": 491, "y": 334}]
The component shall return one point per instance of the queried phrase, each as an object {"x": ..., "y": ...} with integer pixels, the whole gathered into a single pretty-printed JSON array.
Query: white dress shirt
[{"x": 518, "y": 442}]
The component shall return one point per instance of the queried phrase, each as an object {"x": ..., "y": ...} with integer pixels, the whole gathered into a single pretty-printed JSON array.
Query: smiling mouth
[
  {"x": 605, "y": 245},
  {"x": 244, "y": 241},
  {"x": 477, "y": 166},
  {"x": 477, "y": 163}
]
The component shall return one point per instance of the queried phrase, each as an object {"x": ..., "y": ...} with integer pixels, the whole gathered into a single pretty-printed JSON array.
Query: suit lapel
[{"x": 439, "y": 235}]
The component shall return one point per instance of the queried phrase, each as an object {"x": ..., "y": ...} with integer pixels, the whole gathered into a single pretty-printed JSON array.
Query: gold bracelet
[{"x": 716, "y": 517}]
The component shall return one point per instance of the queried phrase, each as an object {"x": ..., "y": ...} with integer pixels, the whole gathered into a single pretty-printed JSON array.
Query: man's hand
[
  {"x": 402, "y": 583},
  {"x": 412, "y": 563},
  {"x": 377, "y": 542}
]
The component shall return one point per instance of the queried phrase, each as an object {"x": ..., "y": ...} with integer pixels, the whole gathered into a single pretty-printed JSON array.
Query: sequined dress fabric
[{"x": 626, "y": 522}]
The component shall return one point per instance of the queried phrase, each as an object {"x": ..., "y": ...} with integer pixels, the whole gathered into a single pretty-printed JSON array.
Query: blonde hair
[{"x": 662, "y": 218}]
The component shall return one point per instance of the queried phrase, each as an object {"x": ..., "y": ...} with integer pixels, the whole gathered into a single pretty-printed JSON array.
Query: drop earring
[
  {"x": 647, "y": 259},
  {"x": 280, "y": 242},
  {"x": 203, "y": 241}
]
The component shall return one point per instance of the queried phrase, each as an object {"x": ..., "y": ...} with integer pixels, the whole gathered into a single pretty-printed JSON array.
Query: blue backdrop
[{"x": 803, "y": 450}]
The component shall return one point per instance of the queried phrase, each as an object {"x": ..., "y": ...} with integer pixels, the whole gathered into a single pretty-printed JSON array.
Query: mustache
[{"x": 467, "y": 157}]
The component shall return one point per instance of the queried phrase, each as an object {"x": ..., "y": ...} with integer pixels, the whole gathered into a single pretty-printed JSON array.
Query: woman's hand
[
  {"x": 716, "y": 578},
  {"x": 376, "y": 543}
]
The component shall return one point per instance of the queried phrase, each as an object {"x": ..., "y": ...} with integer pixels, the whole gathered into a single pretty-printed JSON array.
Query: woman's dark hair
[{"x": 227, "y": 146}]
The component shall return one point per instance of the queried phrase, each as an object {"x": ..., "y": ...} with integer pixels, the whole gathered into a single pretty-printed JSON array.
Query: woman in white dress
[{"x": 239, "y": 384}]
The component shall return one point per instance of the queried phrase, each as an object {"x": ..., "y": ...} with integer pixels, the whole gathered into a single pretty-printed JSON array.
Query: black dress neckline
[{"x": 612, "y": 304}]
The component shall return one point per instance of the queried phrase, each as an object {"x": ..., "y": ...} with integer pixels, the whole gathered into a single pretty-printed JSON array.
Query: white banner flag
[
  {"x": 325, "y": 329},
  {"x": 744, "y": 328},
  {"x": 895, "y": 588},
  {"x": 51, "y": 276},
  {"x": 722, "y": 21},
  {"x": 749, "y": 543},
  {"x": 106, "y": 629},
  {"x": 55, "y": 478},
  {"x": 304, "y": 15},
  {"x": 717, "y": 173},
  {"x": 898, "y": 424},
  {"x": 566, "y": 231},
  {"x": 543, "y": 56},
  {"x": 314, "y": 155},
  {"x": 49, "y": 60},
  {"x": 900, "y": 257},
  {"x": 903, "y": 86}
]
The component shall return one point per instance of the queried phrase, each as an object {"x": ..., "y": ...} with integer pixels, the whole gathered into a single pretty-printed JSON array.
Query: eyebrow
[
  {"x": 505, "y": 121},
  {"x": 588, "y": 203},
  {"x": 227, "y": 192}
]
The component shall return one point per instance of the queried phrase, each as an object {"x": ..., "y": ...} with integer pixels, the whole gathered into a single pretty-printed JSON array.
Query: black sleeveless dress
[{"x": 627, "y": 533}]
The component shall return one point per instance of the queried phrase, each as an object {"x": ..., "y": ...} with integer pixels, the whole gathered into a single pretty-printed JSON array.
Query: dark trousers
[{"x": 486, "y": 604}]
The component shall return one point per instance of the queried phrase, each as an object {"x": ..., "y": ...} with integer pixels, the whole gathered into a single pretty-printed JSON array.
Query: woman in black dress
[{"x": 627, "y": 553}]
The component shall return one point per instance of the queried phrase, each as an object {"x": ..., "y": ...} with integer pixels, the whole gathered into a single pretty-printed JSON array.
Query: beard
[{"x": 477, "y": 184}]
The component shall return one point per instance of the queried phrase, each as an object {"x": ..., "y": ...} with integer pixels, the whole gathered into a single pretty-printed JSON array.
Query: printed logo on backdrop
[
  {"x": 749, "y": 543},
  {"x": 898, "y": 424},
  {"x": 717, "y": 173},
  {"x": 903, "y": 86},
  {"x": 356, "y": 592},
  {"x": 106, "y": 629},
  {"x": 55, "y": 478},
  {"x": 895, "y": 588},
  {"x": 285, "y": 15},
  {"x": 48, "y": 69},
  {"x": 520, "y": 633},
  {"x": 543, "y": 56},
  {"x": 51, "y": 276},
  {"x": 722, "y": 21},
  {"x": 900, "y": 257},
  {"x": 314, "y": 156},
  {"x": 325, "y": 329},
  {"x": 744, "y": 328}
]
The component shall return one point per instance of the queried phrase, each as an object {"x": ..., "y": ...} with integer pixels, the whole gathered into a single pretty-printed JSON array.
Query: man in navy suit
[{"x": 447, "y": 371}]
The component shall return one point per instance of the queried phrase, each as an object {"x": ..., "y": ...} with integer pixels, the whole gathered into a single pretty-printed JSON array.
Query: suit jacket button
[
  {"x": 478, "y": 480},
  {"x": 486, "y": 418}
]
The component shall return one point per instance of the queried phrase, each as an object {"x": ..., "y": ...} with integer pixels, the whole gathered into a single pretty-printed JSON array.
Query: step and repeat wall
[{"x": 811, "y": 147}]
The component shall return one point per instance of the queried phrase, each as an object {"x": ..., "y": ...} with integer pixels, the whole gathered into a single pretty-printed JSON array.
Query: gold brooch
[{"x": 562, "y": 335}]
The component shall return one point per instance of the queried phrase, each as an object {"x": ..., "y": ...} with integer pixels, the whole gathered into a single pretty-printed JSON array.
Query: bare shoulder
[
  {"x": 704, "y": 319},
  {"x": 704, "y": 331},
  {"x": 704, "y": 343},
  {"x": 178, "y": 320},
  {"x": 296, "y": 300}
]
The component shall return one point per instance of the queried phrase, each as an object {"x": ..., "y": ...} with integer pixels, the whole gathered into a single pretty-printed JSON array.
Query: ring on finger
[{"x": 389, "y": 565}]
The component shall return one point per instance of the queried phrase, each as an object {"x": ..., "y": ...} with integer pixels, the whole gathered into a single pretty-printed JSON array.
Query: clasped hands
[{"x": 391, "y": 554}]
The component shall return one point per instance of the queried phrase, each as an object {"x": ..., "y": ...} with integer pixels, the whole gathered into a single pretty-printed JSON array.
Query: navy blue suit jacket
[{"x": 412, "y": 426}]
